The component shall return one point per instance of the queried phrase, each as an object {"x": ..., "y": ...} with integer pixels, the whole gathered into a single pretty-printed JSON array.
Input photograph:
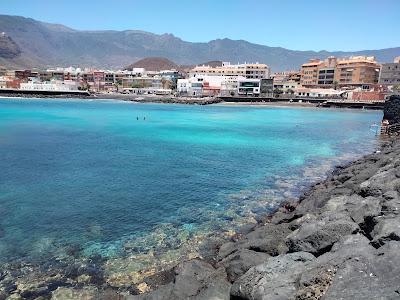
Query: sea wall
[{"x": 340, "y": 241}]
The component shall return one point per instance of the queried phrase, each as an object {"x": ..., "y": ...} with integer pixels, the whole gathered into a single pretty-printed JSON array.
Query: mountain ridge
[{"x": 49, "y": 45}]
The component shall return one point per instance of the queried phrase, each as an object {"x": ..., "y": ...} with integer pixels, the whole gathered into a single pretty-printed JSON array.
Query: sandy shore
[{"x": 270, "y": 104}]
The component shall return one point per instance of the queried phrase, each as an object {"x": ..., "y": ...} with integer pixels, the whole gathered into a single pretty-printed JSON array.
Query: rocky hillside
[
  {"x": 44, "y": 44},
  {"x": 8, "y": 48}
]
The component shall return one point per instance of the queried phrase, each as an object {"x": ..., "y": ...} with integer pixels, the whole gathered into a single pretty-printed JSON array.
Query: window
[{"x": 248, "y": 84}]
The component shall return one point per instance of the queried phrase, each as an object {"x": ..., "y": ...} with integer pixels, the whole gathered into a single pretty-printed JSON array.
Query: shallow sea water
[{"x": 141, "y": 185}]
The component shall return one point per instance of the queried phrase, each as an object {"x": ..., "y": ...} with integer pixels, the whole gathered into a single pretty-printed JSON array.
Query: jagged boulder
[
  {"x": 362, "y": 278},
  {"x": 318, "y": 236},
  {"x": 194, "y": 280},
  {"x": 241, "y": 261},
  {"x": 273, "y": 280},
  {"x": 267, "y": 239},
  {"x": 391, "y": 110},
  {"x": 385, "y": 230}
]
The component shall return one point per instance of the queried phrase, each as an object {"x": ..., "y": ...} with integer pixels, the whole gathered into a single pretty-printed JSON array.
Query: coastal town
[
  {"x": 351, "y": 79},
  {"x": 186, "y": 150}
]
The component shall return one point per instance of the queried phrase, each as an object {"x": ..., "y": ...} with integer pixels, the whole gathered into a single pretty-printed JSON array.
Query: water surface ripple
[{"x": 137, "y": 184}]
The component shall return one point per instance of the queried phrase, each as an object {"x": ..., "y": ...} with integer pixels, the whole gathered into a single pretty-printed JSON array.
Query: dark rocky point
[{"x": 392, "y": 109}]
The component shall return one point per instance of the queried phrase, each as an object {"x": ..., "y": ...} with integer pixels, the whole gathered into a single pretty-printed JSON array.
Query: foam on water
[{"x": 139, "y": 193}]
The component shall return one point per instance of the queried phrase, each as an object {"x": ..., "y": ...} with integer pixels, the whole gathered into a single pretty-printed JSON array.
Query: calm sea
[{"x": 118, "y": 179}]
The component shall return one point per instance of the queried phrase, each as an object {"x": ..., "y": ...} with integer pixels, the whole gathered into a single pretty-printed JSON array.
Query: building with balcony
[
  {"x": 335, "y": 72},
  {"x": 318, "y": 73},
  {"x": 357, "y": 71},
  {"x": 309, "y": 73},
  {"x": 249, "y": 71}
]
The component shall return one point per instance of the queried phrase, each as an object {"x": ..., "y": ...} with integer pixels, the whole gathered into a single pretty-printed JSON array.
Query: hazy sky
[{"x": 293, "y": 24}]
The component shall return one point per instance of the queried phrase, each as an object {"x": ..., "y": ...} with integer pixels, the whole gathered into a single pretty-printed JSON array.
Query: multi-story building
[
  {"x": 3, "y": 82},
  {"x": 357, "y": 71},
  {"x": 59, "y": 86},
  {"x": 202, "y": 85},
  {"x": 192, "y": 86},
  {"x": 286, "y": 82},
  {"x": 24, "y": 74},
  {"x": 309, "y": 73},
  {"x": 287, "y": 87},
  {"x": 249, "y": 71},
  {"x": 318, "y": 73},
  {"x": 295, "y": 76},
  {"x": 390, "y": 73},
  {"x": 249, "y": 87},
  {"x": 335, "y": 72}
]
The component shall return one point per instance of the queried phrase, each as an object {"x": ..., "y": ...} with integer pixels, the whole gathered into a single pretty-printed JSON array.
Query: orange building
[
  {"x": 309, "y": 73},
  {"x": 357, "y": 71},
  {"x": 335, "y": 72}
]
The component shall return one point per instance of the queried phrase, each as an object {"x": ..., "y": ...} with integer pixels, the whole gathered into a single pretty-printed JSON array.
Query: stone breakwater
[{"x": 340, "y": 241}]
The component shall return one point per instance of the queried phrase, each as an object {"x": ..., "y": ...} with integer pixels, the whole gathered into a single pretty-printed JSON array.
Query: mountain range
[{"x": 28, "y": 43}]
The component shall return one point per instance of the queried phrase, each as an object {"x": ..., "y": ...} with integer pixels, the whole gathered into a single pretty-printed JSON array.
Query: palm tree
[
  {"x": 335, "y": 85},
  {"x": 277, "y": 92}
]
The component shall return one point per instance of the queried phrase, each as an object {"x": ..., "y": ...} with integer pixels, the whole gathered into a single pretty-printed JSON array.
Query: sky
[{"x": 294, "y": 24}]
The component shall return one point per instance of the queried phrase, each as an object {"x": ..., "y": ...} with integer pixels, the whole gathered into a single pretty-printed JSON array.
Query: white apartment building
[
  {"x": 192, "y": 86},
  {"x": 200, "y": 85},
  {"x": 247, "y": 70},
  {"x": 57, "y": 86},
  {"x": 286, "y": 86},
  {"x": 3, "y": 82},
  {"x": 249, "y": 87}
]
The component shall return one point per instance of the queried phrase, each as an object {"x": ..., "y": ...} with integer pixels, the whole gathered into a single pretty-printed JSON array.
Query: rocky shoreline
[{"x": 340, "y": 241}]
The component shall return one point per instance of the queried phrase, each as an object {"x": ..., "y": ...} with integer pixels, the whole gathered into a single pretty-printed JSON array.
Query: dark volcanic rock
[
  {"x": 241, "y": 261},
  {"x": 374, "y": 278},
  {"x": 357, "y": 207},
  {"x": 391, "y": 204},
  {"x": 387, "y": 229},
  {"x": 275, "y": 279},
  {"x": 194, "y": 279},
  {"x": 268, "y": 239},
  {"x": 391, "y": 111},
  {"x": 318, "y": 236}
]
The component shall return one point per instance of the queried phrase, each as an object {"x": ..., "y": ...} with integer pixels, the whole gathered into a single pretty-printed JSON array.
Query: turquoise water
[{"x": 89, "y": 175}]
